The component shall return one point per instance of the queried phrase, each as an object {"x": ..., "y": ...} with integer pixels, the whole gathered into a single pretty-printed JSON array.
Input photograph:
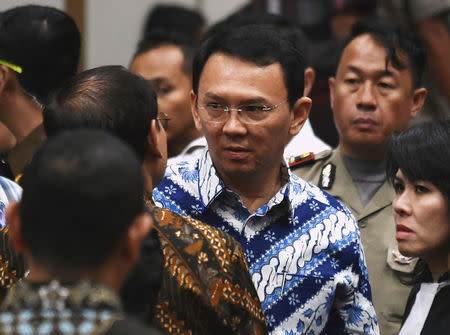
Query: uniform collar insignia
[{"x": 327, "y": 176}]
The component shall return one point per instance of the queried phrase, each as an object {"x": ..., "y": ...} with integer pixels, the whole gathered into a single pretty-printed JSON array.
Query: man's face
[
  {"x": 369, "y": 102},
  {"x": 237, "y": 148},
  {"x": 162, "y": 66}
]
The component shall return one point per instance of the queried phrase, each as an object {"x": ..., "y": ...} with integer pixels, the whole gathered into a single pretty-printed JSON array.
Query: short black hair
[
  {"x": 45, "y": 42},
  {"x": 422, "y": 152},
  {"x": 260, "y": 44},
  {"x": 280, "y": 23},
  {"x": 168, "y": 19},
  {"x": 245, "y": 18},
  {"x": 157, "y": 39},
  {"x": 109, "y": 98},
  {"x": 396, "y": 42},
  {"x": 81, "y": 192}
]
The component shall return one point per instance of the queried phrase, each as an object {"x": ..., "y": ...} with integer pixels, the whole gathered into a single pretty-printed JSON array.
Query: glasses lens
[
  {"x": 213, "y": 113},
  {"x": 253, "y": 114},
  {"x": 248, "y": 114}
]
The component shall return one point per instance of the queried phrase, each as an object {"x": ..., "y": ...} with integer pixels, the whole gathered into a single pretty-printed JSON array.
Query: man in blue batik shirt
[{"x": 302, "y": 246}]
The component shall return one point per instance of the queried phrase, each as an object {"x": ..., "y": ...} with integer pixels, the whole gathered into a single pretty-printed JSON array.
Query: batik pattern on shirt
[
  {"x": 303, "y": 248},
  {"x": 206, "y": 287},
  {"x": 51, "y": 308}
]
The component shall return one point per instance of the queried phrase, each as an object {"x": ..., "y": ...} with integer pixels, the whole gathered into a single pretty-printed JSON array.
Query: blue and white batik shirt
[
  {"x": 9, "y": 192},
  {"x": 303, "y": 248}
]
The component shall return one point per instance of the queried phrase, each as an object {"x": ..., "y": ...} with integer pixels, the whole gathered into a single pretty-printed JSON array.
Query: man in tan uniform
[{"x": 375, "y": 92}]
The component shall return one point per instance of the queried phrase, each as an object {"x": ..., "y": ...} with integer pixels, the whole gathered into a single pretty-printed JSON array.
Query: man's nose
[
  {"x": 366, "y": 97},
  {"x": 233, "y": 125}
]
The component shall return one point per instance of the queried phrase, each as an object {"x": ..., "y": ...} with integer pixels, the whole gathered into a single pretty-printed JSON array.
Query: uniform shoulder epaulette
[{"x": 307, "y": 158}]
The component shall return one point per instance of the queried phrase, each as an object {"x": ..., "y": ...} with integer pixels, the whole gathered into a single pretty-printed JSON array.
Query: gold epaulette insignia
[{"x": 300, "y": 160}]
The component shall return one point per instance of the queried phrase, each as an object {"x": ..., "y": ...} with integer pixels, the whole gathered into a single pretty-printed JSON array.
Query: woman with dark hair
[{"x": 419, "y": 168}]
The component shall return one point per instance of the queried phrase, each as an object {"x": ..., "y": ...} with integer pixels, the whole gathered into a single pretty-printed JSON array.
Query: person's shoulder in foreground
[
  {"x": 58, "y": 308},
  {"x": 207, "y": 266}
]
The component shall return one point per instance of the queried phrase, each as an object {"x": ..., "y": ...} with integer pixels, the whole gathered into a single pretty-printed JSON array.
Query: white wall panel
[
  {"x": 113, "y": 29},
  {"x": 215, "y": 10},
  {"x": 6, "y": 4}
]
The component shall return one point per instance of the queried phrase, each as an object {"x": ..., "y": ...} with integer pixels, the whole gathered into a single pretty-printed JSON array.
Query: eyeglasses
[
  {"x": 164, "y": 119},
  {"x": 249, "y": 114}
]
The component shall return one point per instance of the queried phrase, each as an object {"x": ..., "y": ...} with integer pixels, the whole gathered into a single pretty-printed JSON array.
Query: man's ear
[
  {"x": 138, "y": 230},
  {"x": 153, "y": 139},
  {"x": 4, "y": 74},
  {"x": 14, "y": 228},
  {"x": 299, "y": 115},
  {"x": 310, "y": 77},
  {"x": 194, "y": 111},
  {"x": 331, "y": 83},
  {"x": 419, "y": 96}
]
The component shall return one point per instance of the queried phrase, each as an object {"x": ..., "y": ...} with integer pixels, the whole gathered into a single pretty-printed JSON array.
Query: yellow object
[
  {"x": 13, "y": 67},
  {"x": 18, "y": 177}
]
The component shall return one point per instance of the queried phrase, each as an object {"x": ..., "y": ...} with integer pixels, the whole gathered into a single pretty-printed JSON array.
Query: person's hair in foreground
[
  {"x": 422, "y": 153},
  {"x": 100, "y": 98},
  {"x": 397, "y": 42},
  {"x": 82, "y": 192},
  {"x": 260, "y": 45},
  {"x": 44, "y": 43}
]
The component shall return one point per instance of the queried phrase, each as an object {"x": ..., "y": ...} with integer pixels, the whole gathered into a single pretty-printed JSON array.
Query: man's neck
[
  {"x": 254, "y": 190},
  {"x": 364, "y": 152},
  {"x": 103, "y": 275},
  {"x": 22, "y": 116}
]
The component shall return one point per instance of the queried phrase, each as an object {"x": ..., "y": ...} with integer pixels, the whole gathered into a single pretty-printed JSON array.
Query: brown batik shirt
[{"x": 206, "y": 286}]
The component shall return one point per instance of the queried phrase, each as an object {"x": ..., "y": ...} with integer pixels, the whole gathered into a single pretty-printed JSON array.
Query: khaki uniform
[{"x": 377, "y": 232}]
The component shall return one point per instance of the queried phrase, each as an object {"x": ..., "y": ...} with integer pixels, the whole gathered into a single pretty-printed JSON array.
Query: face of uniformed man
[
  {"x": 241, "y": 145},
  {"x": 370, "y": 102},
  {"x": 163, "y": 67}
]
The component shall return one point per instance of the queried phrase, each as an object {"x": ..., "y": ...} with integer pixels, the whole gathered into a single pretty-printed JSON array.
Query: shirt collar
[
  {"x": 211, "y": 185},
  {"x": 55, "y": 294},
  {"x": 198, "y": 143}
]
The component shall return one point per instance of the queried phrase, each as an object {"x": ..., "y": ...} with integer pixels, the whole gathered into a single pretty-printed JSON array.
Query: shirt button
[{"x": 362, "y": 223}]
